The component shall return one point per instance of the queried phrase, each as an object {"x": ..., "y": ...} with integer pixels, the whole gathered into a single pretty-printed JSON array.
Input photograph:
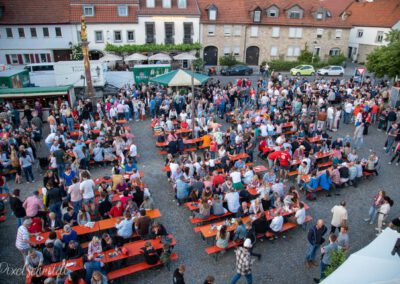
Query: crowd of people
[{"x": 287, "y": 123}]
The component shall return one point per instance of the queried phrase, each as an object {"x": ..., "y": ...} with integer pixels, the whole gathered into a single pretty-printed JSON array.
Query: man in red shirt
[
  {"x": 213, "y": 148},
  {"x": 116, "y": 210},
  {"x": 284, "y": 162},
  {"x": 217, "y": 179}
]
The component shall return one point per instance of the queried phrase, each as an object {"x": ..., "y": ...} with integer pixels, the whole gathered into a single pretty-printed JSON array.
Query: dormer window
[
  {"x": 182, "y": 4},
  {"x": 295, "y": 12},
  {"x": 212, "y": 13},
  {"x": 295, "y": 15},
  {"x": 320, "y": 16},
  {"x": 257, "y": 15},
  {"x": 150, "y": 3},
  {"x": 273, "y": 12},
  {"x": 166, "y": 3}
]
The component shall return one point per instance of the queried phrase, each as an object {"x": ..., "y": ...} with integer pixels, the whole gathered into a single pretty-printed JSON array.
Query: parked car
[
  {"x": 331, "y": 71},
  {"x": 237, "y": 70},
  {"x": 302, "y": 70}
]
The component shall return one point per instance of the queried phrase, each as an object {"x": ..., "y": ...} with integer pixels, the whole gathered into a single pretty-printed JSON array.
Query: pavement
[{"x": 282, "y": 260}]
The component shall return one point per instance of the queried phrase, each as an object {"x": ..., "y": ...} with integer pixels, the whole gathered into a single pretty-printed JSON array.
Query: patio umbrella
[
  {"x": 135, "y": 57},
  {"x": 110, "y": 57},
  {"x": 185, "y": 56},
  {"x": 160, "y": 57},
  {"x": 180, "y": 78}
]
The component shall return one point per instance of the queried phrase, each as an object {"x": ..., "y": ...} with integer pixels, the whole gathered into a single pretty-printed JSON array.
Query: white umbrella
[
  {"x": 135, "y": 57},
  {"x": 185, "y": 56},
  {"x": 160, "y": 57},
  {"x": 110, "y": 57}
]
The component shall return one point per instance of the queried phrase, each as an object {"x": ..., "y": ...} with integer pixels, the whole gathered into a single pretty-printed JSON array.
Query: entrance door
[
  {"x": 210, "y": 56},
  {"x": 62, "y": 55},
  {"x": 252, "y": 54}
]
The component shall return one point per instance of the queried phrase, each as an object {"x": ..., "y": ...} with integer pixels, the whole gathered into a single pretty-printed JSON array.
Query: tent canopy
[
  {"x": 185, "y": 56},
  {"x": 110, "y": 57},
  {"x": 160, "y": 57},
  {"x": 180, "y": 78},
  {"x": 372, "y": 264},
  {"x": 135, "y": 57}
]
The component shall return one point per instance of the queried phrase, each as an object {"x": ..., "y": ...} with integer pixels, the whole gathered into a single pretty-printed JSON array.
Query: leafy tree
[
  {"x": 228, "y": 60},
  {"x": 385, "y": 60},
  {"x": 149, "y": 47},
  {"x": 337, "y": 259},
  {"x": 77, "y": 52}
]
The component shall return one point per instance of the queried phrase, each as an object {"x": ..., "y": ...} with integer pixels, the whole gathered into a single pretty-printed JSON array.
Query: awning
[{"x": 180, "y": 78}]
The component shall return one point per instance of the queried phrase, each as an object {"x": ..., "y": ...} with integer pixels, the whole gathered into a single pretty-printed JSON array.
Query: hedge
[{"x": 132, "y": 48}]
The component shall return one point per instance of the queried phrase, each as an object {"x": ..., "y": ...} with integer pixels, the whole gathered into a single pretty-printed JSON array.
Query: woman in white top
[{"x": 256, "y": 206}]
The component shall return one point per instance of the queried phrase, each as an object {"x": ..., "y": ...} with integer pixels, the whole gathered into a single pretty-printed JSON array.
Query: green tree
[
  {"x": 337, "y": 259},
  {"x": 385, "y": 60},
  {"x": 77, "y": 52},
  {"x": 228, "y": 60}
]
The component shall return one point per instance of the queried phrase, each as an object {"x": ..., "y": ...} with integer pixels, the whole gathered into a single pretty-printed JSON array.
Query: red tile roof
[
  {"x": 34, "y": 12},
  {"x": 103, "y": 14},
  {"x": 239, "y": 12},
  {"x": 380, "y": 13},
  {"x": 191, "y": 9}
]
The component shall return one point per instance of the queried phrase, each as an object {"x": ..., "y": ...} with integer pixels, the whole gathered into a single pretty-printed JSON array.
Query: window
[
  {"x": 58, "y": 32},
  {"x": 123, "y": 10},
  {"x": 169, "y": 33},
  {"x": 293, "y": 51},
  {"x": 272, "y": 13},
  {"x": 27, "y": 59},
  {"x": 254, "y": 31},
  {"x": 320, "y": 32},
  {"x": 166, "y": 3},
  {"x": 227, "y": 50},
  {"x": 45, "y": 32},
  {"x": 187, "y": 32},
  {"x": 295, "y": 32},
  {"x": 257, "y": 16},
  {"x": 320, "y": 16},
  {"x": 212, "y": 14},
  {"x": 360, "y": 33},
  {"x": 88, "y": 10},
  {"x": 149, "y": 29},
  {"x": 295, "y": 15},
  {"x": 14, "y": 59},
  {"x": 227, "y": 30},
  {"x": 43, "y": 57},
  {"x": 9, "y": 32},
  {"x": 275, "y": 31},
  {"x": 150, "y": 3},
  {"x": 21, "y": 32},
  {"x": 237, "y": 30},
  {"x": 236, "y": 50},
  {"x": 274, "y": 50},
  {"x": 79, "y": 36},
  {"x": 33, "y": 32},
  {"x": 117, "y": 36},
  {"x": 98, "y": 36},
  {"x": 130, "y": 35},
  {"x": 334, "y": 52},
  {"x": 211, "y": 30},
  {"x": 338, "y": 34},
  {"x": 181, "y": 4},
  {"x": 379, "y": 36}
]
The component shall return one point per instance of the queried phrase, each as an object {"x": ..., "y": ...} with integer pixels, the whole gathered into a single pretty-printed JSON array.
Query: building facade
[
  {"x": 256, "y": 30},
  {"x": 370, "y": 22}
]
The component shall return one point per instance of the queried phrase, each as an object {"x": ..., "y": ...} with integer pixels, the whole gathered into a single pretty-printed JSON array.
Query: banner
[{"x": 142, "y": 73}]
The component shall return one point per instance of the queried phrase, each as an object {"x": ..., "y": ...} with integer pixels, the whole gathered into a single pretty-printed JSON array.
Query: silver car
[{"x": 331, "y": 71}]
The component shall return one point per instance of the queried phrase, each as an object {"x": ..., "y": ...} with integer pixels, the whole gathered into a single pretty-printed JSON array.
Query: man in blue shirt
[
  {"x": 182, "y": 190},
  {"x": 92, "y": 265}
]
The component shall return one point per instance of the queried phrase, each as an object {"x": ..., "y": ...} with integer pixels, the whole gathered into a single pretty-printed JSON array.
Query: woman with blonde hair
[{"x": 94, "y": 246}]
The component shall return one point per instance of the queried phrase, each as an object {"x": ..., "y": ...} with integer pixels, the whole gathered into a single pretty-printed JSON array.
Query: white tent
[
  {"x": 185, "y": 56},
  {"x": 135, "y": 57},
  {"x": 110, "y": 57},
  {"x": 373, "y": 264},
  {"x": 160, "y": 57}
]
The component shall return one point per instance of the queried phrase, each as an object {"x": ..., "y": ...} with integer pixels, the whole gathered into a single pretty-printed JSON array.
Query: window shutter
[
  {"x": 8, "y": 59},
  {"x": 48, "y": 57},
  {"x": 37, "y": 58},
  {"x": 20, "y": 60},
  {"x": 32, "y": 57}
]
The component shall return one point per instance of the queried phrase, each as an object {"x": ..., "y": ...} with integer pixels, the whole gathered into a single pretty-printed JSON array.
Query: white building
[{"x": 370, "y": 20}]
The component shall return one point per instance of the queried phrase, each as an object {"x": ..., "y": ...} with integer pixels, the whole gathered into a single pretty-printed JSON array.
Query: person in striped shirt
[{"x": 22, "y": 242}]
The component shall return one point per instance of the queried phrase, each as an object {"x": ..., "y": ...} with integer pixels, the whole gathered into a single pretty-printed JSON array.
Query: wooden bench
[
  {"x": 211, "y": 218},
  {"x": 249, "y": 164},
  {"x": 203, "y": 146},
  {"x": 316, "y": 190},
  {"x": 163, "y": 152},
  {"x": 286, "y": 226},
  {"x": 115, "y": 274},
  {"x": 293, "y": 173},
  {"x": 190, "y": 149},
  {"x": 367, "y": 174},
  {"x": 325, "y": 165}
]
